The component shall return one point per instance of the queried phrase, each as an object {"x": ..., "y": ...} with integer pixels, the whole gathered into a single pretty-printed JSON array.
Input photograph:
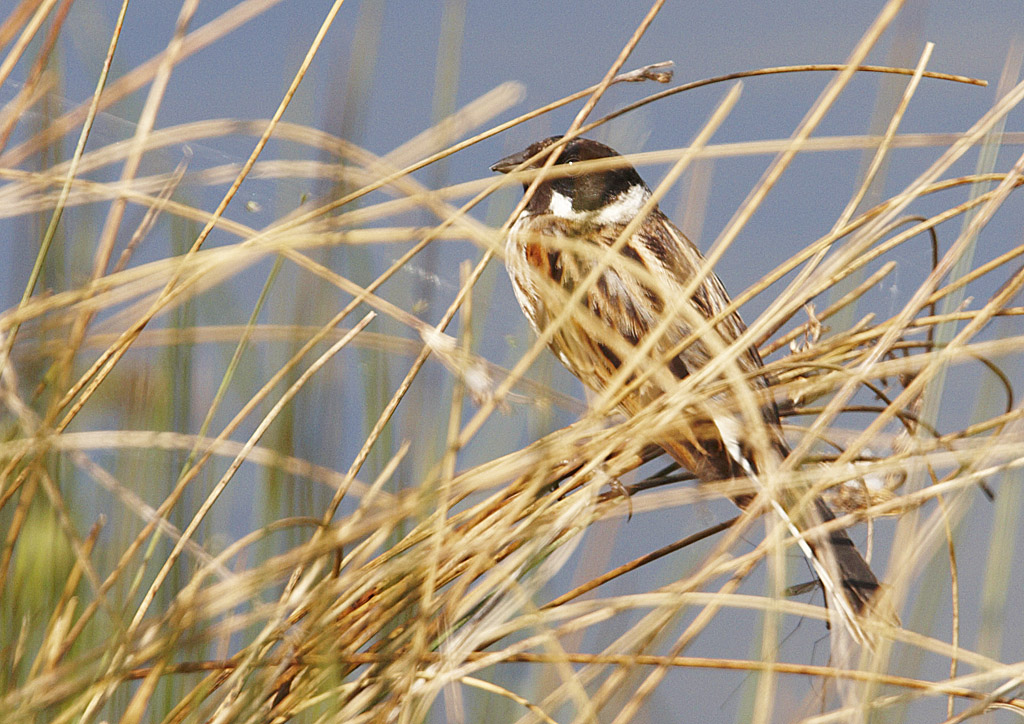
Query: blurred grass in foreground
[{"x": 218, "y": 502}]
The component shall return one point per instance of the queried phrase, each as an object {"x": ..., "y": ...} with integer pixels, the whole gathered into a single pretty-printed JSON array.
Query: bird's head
[{"x": 614, "y": 194}]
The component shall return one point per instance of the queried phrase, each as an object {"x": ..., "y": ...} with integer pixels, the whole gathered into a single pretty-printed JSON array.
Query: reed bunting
[{"x": 575, "y": 214}]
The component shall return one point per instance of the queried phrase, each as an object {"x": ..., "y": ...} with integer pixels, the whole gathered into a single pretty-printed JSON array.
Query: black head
[{"x": 587, "y": 190}]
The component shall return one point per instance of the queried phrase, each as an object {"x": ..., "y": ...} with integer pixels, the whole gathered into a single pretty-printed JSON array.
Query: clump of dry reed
[{"x": 376, "y": 600}]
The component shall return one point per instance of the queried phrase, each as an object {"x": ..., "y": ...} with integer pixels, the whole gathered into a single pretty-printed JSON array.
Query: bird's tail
[
  {"x": 851, "y": 587},
  {"x": 855, "y": 575}
]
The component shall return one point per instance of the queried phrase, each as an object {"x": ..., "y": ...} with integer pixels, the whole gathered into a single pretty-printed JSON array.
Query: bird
[{"x": 576, "y": 213}]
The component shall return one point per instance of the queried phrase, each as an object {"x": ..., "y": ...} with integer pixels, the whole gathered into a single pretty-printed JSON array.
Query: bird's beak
[{"x": 509, "y": 163}]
